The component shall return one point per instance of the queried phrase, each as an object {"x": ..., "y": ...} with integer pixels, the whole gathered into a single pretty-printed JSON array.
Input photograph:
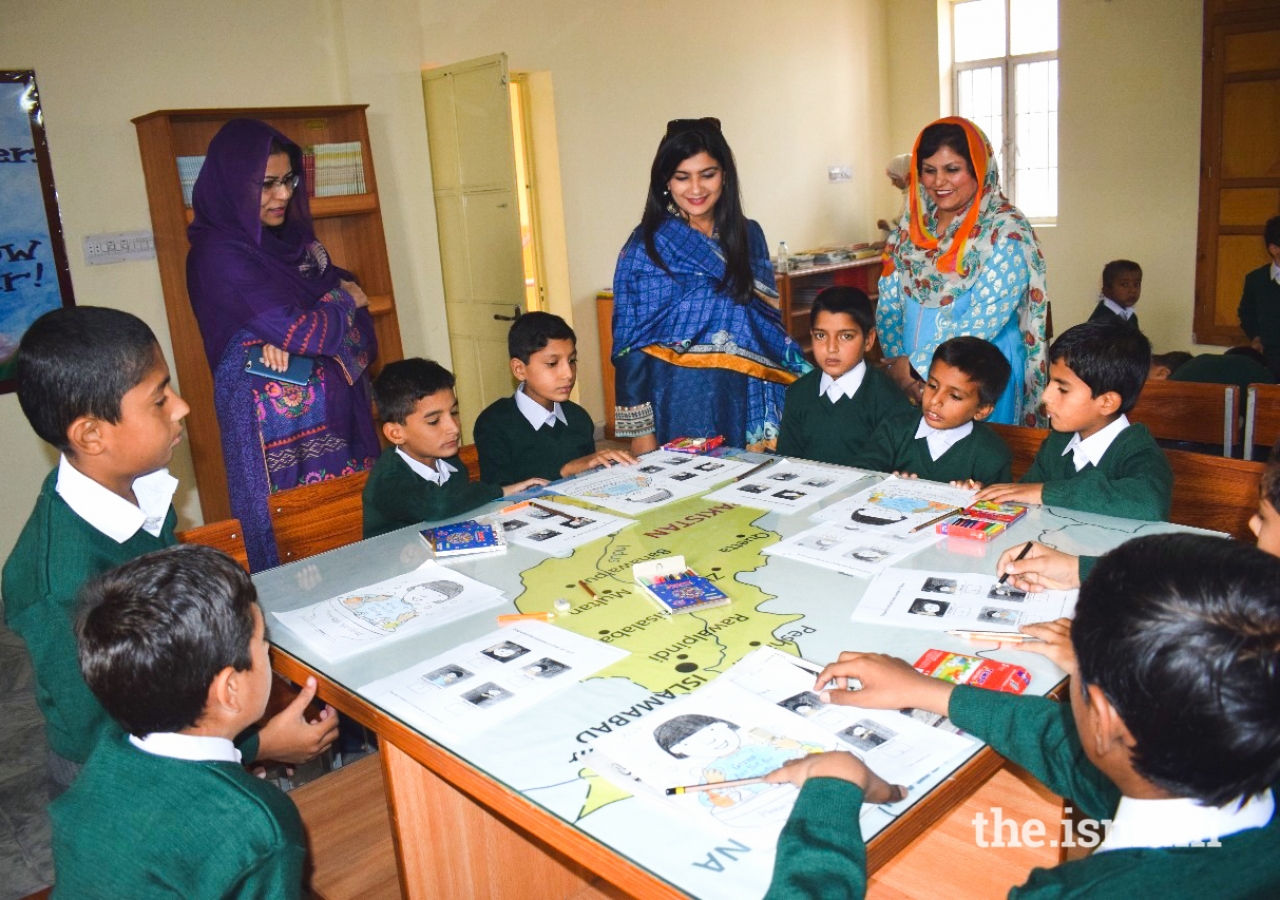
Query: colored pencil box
[
  {"x": 972, "y": 528},
  {"x": 973, "y": 671}
]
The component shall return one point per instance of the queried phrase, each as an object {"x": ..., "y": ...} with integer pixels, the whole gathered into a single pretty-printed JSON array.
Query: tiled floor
[{"x": 26, "y": 864}]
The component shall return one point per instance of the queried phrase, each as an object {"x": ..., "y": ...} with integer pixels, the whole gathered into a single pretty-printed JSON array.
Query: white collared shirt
[
  {"x": 192, "y": 747},
  {"x": 1124, "y": 312},
  {"x": 1182, "y": 821},
  {"x": 1275, "y": 272},
  {"x": 845, "y": 386},
  {"x": 437, "y": 474},
  {"x": 110, "y": 513},
  {"x": 1094, "y": 447},
  {"x": 537, "y": 414},
  {"x": 941, "y": 440}
]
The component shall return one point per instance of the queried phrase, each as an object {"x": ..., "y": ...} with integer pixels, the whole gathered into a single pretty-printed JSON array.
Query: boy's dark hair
[
  {"x": 1106, "y": 357},
  {"x": 1271, "y": 232},
  {"x": 673, "y": 731},
  {"x": 1182, "y": 634},
  {"x": 155, "y": 632},
  {"x": 1246, "y": 351},
  {"x": 1117, "y": 267},
  {"x": 80, "y": 361},
  {"x": 847, "y": 300},
  {"x": 401, "y": 384},
  {"x": 981, "y": 361},
  {"x": 1173, "y": 360},
  {"x": 534, "y": 330}
]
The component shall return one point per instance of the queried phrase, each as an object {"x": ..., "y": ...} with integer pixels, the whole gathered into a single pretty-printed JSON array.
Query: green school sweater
[
  {"x": 512, "y": 450},
  {"x": 815, "y": 428},
  {"x": 141, "y": 826},
  {"x": 981, "y": 455},
  {"x": 1223, "y": 368},
  {"x": 395, "y": 495},
  {"x": 1259, "y": 312},
  {"x": 821, "y": 853},
  {"x": 1133, "y": 480}
]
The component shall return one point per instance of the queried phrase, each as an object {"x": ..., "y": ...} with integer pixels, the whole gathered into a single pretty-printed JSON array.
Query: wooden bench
[
  {"x": 1190, "y": 411},
  {"x": 317, "y": 517},
  {"x": 226, "y": 536}
]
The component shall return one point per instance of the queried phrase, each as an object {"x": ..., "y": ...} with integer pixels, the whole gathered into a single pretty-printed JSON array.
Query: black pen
[{"x": 1025, "y": 550}]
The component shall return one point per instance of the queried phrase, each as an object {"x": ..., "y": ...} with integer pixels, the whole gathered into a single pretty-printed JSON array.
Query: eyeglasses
[
  {"x": 676, "y": 126},
  {"x": 288, "y": 181}
]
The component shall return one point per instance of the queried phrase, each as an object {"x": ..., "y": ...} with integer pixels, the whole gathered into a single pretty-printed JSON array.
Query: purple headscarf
[{"x": 237, "y": 268}]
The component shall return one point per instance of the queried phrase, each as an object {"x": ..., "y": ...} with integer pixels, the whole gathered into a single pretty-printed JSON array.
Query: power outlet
[
  {"x": 839, "y": 173},
  {"x": 122, "y": 246}
]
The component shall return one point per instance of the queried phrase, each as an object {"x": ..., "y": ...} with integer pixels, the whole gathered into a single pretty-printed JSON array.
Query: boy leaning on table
[{"x": 1171, "y": 734}]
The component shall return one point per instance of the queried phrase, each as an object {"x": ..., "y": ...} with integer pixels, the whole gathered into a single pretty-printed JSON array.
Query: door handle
[{"x": 515, "y": 309}]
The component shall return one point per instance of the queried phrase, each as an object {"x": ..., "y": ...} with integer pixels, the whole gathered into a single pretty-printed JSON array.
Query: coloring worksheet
[
  {"x": 898, "y": 506},
  {"x": 852, "y": 549},
  {"x": 427, "y": 597},
  {"x": 787, "y": 486},
  {"x": 943, "y": 601},
  {"x": 554, "y": 528},
  {"x": 658, "y": 478},
  {"x": 482, "y": 682}
]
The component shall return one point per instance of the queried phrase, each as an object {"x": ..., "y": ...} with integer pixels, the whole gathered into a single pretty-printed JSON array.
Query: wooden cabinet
[{"x": 350, "y": 227}]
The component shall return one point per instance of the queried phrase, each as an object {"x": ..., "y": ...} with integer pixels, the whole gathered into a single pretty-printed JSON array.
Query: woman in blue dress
[
  {"x": 963, "y": 260},
  {"x": 698, "y": 344}
]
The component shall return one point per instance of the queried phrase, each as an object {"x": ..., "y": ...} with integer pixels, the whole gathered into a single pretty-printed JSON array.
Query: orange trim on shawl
[
  {"x": 920, "y": 235},
  {"x": 720, "y": 361}
]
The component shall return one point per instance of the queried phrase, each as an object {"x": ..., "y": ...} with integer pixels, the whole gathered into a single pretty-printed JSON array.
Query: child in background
[
  {"x": 831, "y": 412},
  {"x": 539, "y": 431},
  {"x": 94, "y": 384},
  {"x": 1171, "y": 734},
  {"x": 173, "y": 645},
  {"x": 1259, "y": 308},
  {"x": 948, "y": 441},
  {"x": 414, "y": 480},
  {"x": 1094, "y": 460},
  {"x": 1121, "y": 289},
  {"x": 1238, "y": 366}
]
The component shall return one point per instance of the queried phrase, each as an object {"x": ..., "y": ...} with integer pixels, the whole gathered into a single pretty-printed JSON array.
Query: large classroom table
[{"x": 517, "y": 812}]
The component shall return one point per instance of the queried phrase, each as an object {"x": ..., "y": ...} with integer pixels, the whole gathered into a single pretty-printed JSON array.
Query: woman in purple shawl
[{"x": 260, "y": 283}]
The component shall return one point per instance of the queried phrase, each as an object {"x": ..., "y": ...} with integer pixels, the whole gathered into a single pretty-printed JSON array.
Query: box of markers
[
  {"x": 694, "y": 445},
  {"x": 1008, "y": 513},
  {"x": 959, "y": 668},
  {"x": 973, "y": 528}
]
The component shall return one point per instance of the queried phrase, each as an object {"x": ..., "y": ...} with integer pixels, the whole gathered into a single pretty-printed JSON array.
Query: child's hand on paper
[
  {"x": 838, "y": 764},
  {"x": 1056, "y": 646},
  {"x": 606, "y": 458},
  {"x": 886, "y": 683},
  {"x": 523, "y": 486},
  {"x": 1016, "y": 493},
  {"x": 967, "y": 484},
  {"x": 1043, "y": 568}
]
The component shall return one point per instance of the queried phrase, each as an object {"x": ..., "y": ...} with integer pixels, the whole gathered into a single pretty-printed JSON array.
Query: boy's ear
[
  {"x": 222, "y": 698},
  {"x": 86, "y": 436},
  {"x": 1111, "y": 734},
  {"x": 518, "y": 368},
  {"x": 984, "y": 411},
  {"x": 870, "y": 342},
  {"x": 394, "y": 432},
  {"x": 1108, "y": 403}
]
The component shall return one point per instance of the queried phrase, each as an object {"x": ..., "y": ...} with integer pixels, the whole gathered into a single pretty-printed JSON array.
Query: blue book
[
  {"x": 464, "y": 539},
  {"x": 683, "y": 592}
]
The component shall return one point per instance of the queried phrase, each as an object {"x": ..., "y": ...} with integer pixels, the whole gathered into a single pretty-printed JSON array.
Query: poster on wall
[{"x": 34, "y": 277}]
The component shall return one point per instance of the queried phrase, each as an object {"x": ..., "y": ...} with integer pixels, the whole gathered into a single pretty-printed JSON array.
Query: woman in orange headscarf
[{"x": 966, "y": 262}]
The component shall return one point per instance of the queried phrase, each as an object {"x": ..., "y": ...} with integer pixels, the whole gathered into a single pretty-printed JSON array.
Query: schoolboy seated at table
[
  {"x": 173, "y": 645},
  {"x": 947, "y": 440},
  {"x": 1094, "y": 460},
  {"x": 420, "y": 477},
  {"x": 1121, "y": 290},
  {"x": 831, "y": 412},
  {"x": 539, "y": 431},
  {"x": 1170, "y": 735}
]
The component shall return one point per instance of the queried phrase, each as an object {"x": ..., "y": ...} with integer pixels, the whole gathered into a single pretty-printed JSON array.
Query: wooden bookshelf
[
  {"x": 797, "y": 288},
  {"x": 350, "y": 227}
]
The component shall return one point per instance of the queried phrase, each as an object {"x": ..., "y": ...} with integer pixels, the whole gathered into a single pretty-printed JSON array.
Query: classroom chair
[
  {"x": 470, "y": 457},
  {"x": 1214, "y": 492},
  {"x": 226, "y": 536},
  {"x": 317, "y": 517},
  {"x": 1023, "y": 442},
  {"x": 1189, "y": 411},
  {"x": 1262, "y": 417}
]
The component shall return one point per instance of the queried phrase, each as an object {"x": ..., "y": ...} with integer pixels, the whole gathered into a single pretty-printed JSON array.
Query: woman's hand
[
  {"x": 904, "y": 376},
  {"x": 357, "y": 294},
  {"x": 274, "y": 358}
]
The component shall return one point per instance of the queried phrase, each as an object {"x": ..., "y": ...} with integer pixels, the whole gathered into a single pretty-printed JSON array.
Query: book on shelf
[
  {"x": 676, "y": 587},
  {"x": 339, "y": 168},
  {"x": 188, "y": 170},
  {"x": 469, "y": 538}
]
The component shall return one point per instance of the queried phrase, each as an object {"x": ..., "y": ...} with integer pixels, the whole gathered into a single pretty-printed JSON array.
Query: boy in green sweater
[
  {"x": 174, "y": 646},
  {"x": 539, "y": 431},
  {"x": 1094, "y": 460},
  {"x": 1170, "y": 741},
  {"x": 1259, "y": 308},
  {"x": 948, "y": 441},
  {"x": 420, "y": 477},
  {"x": 94, "y": 383},
  {"x": 831, "y": 412}
]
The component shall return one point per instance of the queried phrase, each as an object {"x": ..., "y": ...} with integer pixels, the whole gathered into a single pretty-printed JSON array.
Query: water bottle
[{"x": 784, "y": 258}]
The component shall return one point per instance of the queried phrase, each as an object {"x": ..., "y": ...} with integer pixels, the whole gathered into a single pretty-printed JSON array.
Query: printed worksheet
[
  {"x": 898, "y": 506},
  {"x": 485, "y": 681},
  {"x": 942, "y": 601},
  {"x": 788, "y": 485},
  {"x": 358, "y": 620},
  {"x": 852, "y": 549},
  {"x": 554, "y": 528},
  {"x": 658, "y": 478}
]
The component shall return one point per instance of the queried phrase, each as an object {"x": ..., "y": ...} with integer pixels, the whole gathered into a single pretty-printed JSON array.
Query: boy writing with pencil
[
  {"x": 539, "y": 431},
  {"x": 420, "y": 477},
  {"x": 1170, "y": 735},
  {"x": 831, "y": 412},
  {"x": 173, "y": 645},
  {"x": 93, "y": 383},
  {"x": 1094, "y": 460},
  {"x": 947, "y": 440}
]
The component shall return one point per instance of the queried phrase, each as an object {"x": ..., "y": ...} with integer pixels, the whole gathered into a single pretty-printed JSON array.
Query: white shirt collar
[
  {"x": 845, "y": 386},
  {"x": 942, "y": 439},
  {"x": 1124, "y": 312},
  {"x": 192, "y": 747},
  {"x": 110, "y": 513},
  {"x": 437, "y": 474},
  {"x": 537, "y": 414},
  {"x": 1094, "y": 447},
  {"x": 1275, "y": 272},
  {"x": 1182, "y": 821}
]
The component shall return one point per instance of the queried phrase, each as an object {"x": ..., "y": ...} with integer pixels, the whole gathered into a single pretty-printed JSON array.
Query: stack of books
[
  {"x": 188, "y": 170},
  {"x": 334, "y": 170}
]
